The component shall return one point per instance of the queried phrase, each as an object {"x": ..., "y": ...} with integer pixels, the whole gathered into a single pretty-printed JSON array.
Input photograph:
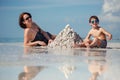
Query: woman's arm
[{"x": 27, "y": 40}]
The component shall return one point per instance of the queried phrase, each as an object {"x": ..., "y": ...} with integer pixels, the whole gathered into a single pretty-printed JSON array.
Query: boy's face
[{"x": 94, "y": 22}]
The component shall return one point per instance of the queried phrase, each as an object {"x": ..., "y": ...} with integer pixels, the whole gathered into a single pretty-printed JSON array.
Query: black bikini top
[{"x": 40, "y": 37}]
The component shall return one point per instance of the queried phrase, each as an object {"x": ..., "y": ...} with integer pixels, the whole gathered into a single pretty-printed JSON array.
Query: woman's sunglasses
[{"x": 27, "y": 18}]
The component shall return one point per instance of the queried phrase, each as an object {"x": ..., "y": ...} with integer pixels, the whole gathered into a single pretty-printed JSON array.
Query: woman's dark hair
[
  {"x": 21, "y": 19},
  {"x": 95, "y": 17},
  {"x": 21, "y": 75}
]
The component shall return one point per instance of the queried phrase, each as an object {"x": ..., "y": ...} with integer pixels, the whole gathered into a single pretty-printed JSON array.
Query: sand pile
[{"x": 66, "y": 38}]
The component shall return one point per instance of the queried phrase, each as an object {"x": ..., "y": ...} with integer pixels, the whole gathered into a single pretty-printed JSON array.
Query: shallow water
[{"x": 36, "y": 63}]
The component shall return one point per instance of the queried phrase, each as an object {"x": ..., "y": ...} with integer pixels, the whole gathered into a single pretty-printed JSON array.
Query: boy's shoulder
[
  {"x": 91, "y": 31},
  {"x": 101, "y": 28}
]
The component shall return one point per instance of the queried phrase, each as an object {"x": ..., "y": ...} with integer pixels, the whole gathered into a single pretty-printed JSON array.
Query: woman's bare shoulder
[{"x": 27, "y": 31}]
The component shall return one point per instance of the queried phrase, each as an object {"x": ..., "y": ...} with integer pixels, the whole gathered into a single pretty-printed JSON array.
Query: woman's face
[{"x": 27, "y": 19}]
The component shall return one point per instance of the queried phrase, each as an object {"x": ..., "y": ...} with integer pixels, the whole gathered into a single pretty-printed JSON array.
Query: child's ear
[{"x": 90, "y": 24}]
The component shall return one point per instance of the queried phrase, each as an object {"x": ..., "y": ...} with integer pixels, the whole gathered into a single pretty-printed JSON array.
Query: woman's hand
[
  {"x": 42, "y": 43},
  {"x": 50, "y": 40}
]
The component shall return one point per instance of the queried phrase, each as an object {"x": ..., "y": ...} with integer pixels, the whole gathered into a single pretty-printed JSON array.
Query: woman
[{"x": 33, "y": 34}]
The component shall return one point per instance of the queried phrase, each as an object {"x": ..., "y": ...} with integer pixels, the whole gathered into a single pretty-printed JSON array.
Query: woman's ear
[{"x": 23, "y": 22}]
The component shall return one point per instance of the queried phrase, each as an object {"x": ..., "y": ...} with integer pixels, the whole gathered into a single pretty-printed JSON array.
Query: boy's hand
[
  {"x": 109, "y": 38},
  {"x": 87, "y": 45}
]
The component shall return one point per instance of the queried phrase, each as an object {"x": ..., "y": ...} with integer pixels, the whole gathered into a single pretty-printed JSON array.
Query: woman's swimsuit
[{"x": 40, "y": 37}]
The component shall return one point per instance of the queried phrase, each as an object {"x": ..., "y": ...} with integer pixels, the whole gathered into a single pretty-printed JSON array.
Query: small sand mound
[{"x": 66, "y": 38}]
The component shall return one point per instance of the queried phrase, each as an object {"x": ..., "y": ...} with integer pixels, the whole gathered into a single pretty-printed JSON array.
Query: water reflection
[
  {"x": 30, "y": 72},
  {"x": 33, "y": 50},
  {"x": 67, "y": 70},
  {"x": 96, "y": 65},
  {"x": 95, "y": 59}
]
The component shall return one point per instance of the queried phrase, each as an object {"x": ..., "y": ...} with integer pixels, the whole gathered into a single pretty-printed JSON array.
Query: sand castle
[{"x": 66, "y": 38}]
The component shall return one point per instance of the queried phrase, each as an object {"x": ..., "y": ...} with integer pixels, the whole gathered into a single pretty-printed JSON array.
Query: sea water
[{"x": 41, "y": 63}]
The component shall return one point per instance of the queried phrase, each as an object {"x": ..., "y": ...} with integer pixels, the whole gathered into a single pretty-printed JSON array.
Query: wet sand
[{"x": 36, "y": 63}]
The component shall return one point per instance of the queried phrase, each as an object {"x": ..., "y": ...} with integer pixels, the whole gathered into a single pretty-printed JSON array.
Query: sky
[{"x": 54, "y": 15}]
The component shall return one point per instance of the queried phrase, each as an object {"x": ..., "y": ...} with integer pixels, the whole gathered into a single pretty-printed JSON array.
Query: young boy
[{"x": 99, "y": 35}]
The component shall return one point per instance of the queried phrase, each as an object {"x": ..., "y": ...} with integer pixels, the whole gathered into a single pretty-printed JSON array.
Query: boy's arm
[
  {"x": 107, "y": 33},
  {"x": 88, "y": 36}
]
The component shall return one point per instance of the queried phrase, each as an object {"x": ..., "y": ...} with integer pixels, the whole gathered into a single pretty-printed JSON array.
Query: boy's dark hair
[
  {"x": 95, "y": 17},
  {"x": 21, "y": 19}
]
